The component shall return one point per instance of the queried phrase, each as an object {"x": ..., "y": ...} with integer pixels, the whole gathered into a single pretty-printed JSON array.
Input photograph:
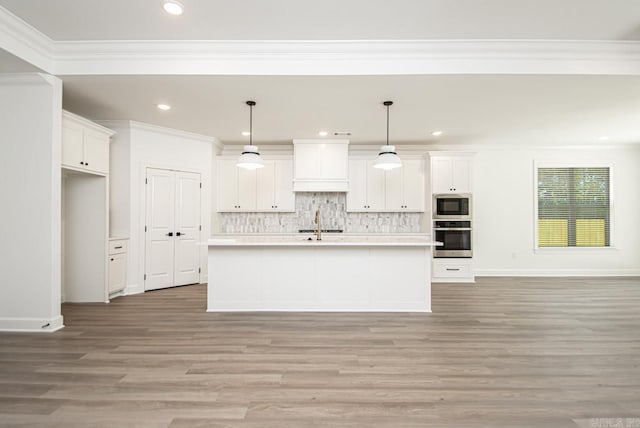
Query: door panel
[
  {"x": 394, "y": 197},
  {"x": 376, "y": 188},
  {"x": 187, "y": 224},
  {"x": 284, "y": 197},
  {"x": 96, "y": 151},
  {"x": 159, "y": 254},
  {"x": 265, "y": 184},
  {"x": 246, "y": 189},
  {"x": 357, "y": 194},
  {"x": 72, "y": 147},
  {"x": 227, "y": 186},
  {"x": 413, "y": 184}
]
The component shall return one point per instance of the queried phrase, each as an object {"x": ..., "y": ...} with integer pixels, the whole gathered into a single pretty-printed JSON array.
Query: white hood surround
[{"x": 321, "y": 165}]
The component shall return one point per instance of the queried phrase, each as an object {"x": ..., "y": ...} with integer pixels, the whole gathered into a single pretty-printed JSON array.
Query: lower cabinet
[
  {"x": 117, "y": 264},
  {"x": 452, "y": 270}
]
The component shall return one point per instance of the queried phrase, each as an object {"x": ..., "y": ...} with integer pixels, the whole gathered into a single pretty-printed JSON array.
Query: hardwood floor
[{"x": 505, "y": 352}]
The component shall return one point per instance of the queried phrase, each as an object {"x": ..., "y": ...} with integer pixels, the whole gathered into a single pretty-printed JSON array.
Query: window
[{"x": 573, "y": 207}]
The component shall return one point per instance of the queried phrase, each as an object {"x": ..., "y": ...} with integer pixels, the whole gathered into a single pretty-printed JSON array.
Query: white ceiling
[{"x": 470, "y": 109}]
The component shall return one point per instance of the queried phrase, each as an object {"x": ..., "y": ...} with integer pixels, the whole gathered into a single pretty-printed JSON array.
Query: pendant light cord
[
  {"x": 251, "y": 124},
  {"x": 387, "y": 104},
  {"x": 387, "y": 125}
]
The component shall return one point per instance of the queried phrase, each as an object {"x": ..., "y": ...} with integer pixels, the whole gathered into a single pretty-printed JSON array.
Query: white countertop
[{"x": 328, "y": 240}]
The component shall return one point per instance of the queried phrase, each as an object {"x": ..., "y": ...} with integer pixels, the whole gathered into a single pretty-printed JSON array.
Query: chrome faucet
[{"x": 318, "y": 232}]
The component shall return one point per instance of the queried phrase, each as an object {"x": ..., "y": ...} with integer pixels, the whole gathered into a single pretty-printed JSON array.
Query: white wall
[
  {"x": 30, "y": 187},
  {"x": 504, "y": 198},
  {"x": 135, "y": 147},
  {"x": 119, "y": 182}
]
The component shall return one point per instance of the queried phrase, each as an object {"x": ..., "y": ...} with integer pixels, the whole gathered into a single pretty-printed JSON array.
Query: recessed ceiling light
[
  {"x": 246, "y": 133},
  {"x": 604, "y": 138},
  {"x": 436, "y": 133},
  {"x": 323, "y": 133},
  {"x": 173, "y": 7},
  {"x": 164, "y": 107}
]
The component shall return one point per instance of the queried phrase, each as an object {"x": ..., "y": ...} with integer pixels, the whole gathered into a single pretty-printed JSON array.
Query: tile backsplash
[{"x": 334, "y": 216}]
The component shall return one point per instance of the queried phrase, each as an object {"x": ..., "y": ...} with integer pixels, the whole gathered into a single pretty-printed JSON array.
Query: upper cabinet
[
  {"x": 376, "y": 190},
  {"x": 85, "y": 145},
  {"x": 405, "y": 187},
  {"x": 236, "y": 187},
  {"x": 451, "y": 173},
  {"x": 275, "y": 186},
  {"x": 321, "y": 165},
  {"x": 366, "y": 187},
  {"x": 262, "y": 190}
]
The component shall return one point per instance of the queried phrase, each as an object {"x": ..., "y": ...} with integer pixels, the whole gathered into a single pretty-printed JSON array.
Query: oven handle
[{"x": 452, "y": 228}]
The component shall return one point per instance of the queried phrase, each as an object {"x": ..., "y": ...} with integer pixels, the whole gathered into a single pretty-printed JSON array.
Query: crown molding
[
  {"x": 334, "y": 57},
  {"x": 15, "y": 79},
  {"x": 373, "y": 57},
  {"x": 24, "y": 41},
  {"x": 132, "y": 125}
]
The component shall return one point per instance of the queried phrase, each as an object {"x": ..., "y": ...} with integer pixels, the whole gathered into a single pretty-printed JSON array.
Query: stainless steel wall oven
[{"x": 455, "y": 236}]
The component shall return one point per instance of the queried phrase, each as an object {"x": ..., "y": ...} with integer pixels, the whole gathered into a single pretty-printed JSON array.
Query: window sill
[{"x": 572, "y": 250}]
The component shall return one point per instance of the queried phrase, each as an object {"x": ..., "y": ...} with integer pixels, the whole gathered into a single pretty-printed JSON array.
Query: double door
[
  {"x": 173, "y": 228},
  {"x": 376, "y": 190}
]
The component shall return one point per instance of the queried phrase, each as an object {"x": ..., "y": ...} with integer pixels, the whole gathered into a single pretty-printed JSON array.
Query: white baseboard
[
  {"x": 32, "y": 325},
  {"x": 133, "y": 289},
  {"x": 557, "y": 272},
  {"x": 456, "y": 280}
]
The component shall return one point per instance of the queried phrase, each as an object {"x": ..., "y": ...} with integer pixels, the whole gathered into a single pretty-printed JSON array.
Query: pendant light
[
  {"x": 250, "y": 158},
  {"x": 388, "y": 158}
]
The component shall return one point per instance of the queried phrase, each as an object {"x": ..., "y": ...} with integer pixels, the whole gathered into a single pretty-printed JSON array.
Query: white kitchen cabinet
[
  {"x": 366, "y": 187},
  {"x": 321, "y": 165},
  {"x": 236, "y": 187},
  {"x": 85, "y": 145},
  {"x": 275, "y": 186},
  {"x": 117, "y": 264},
  {"x": 405, "y": 187},
  {"x": 452, "y": 270},
  {"x": 451, "y": 173},
  {"x": 375, "y": 190}
]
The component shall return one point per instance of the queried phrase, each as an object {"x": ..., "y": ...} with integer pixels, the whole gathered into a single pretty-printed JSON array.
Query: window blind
[{"x": 573, "y": 207}]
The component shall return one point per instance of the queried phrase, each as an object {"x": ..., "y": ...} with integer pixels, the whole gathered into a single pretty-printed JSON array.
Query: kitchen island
[{"x": 339, "y": 273}]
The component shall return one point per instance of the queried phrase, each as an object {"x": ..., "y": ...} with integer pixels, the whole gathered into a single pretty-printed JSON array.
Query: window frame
[{"x": 537, "y": 164}]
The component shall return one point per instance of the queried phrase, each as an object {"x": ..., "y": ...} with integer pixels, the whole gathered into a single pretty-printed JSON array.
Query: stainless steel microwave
[{"x": 451, "y": 206}]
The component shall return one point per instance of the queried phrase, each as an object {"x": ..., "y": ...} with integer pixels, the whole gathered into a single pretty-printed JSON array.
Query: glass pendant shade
[
  {"x": 250, "y": 158},
  {"x": 388, "y": 159}
]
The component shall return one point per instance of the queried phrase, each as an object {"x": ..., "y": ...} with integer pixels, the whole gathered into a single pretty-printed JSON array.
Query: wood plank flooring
[{"x": 505, "y": 352}]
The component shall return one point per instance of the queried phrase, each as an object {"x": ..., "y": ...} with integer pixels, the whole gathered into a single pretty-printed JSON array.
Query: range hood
[{"x": 321, "y": 165}]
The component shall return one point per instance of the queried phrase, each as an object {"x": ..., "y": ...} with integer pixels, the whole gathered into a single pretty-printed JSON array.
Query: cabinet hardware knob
[
  {"x": 170, "y": 234},
  {"x": 111, "y": 258},
  {"x": 86, "y": 164},
  {"x": 180, "y": 233}
]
